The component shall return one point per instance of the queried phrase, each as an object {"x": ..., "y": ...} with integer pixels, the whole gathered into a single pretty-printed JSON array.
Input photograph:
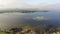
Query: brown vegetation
[{"x": 40, "y": 29}]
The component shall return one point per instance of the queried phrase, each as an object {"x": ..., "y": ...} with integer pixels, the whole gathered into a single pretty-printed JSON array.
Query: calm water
[{"x": 8, "y": 20}]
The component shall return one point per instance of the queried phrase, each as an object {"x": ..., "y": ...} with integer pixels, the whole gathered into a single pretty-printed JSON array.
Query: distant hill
[{"x": 22, "y": 11}]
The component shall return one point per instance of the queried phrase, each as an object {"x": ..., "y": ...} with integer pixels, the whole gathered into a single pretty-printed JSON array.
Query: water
[{"x": 9, "y": 20}]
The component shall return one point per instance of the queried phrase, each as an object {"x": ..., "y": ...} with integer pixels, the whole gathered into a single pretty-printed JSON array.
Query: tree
[{"x": 16, "y": 30}]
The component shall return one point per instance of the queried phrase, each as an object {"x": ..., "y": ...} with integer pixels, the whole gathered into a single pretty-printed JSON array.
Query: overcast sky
[{"x": 26, "y": 3}]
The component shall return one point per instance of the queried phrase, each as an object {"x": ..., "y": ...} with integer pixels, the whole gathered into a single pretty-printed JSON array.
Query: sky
[{"x": 27, "y": 3}]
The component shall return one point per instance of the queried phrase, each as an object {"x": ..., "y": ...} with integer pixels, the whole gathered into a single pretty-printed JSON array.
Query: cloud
[
  {"x": 18, "y": 4},
  {"x": 15, "y": 4},
  {"x": 40, "y": 18},
  {"x": 25, "y": 3},
  {"x": 12, "y": 4}
]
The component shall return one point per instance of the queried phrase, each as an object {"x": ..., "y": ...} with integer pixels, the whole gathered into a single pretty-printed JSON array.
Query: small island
[{"x": 22, "y": 11}]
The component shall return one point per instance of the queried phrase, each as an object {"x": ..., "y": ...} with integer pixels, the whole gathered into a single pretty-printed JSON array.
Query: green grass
[{"x": 3, "y": 33}]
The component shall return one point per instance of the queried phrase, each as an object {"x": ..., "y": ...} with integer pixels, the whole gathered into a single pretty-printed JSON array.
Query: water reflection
[
  {"x": 40, "y": 18},
  {"x": 48, "y": 19},
  {"x": 37, "y": 23}
]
